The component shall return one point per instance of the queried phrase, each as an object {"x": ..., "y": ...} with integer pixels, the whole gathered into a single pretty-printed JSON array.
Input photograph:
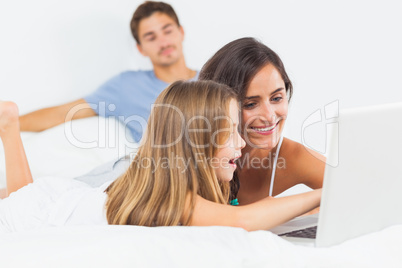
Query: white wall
[{"x": 56, "y": 51}]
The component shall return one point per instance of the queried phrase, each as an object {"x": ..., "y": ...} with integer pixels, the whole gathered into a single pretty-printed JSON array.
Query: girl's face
[
  {"x": 230, "y": 151},
  {"x": 264, "y": 109}
]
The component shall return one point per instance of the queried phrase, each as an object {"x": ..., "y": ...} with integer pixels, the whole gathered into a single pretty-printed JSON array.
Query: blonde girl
[
  {"x": 180, "y": 175},
  {"x": 205, "y": 117}
]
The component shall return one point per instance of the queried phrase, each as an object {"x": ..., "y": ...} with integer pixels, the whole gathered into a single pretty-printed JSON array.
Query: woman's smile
[{"x": 264, "y": 130}]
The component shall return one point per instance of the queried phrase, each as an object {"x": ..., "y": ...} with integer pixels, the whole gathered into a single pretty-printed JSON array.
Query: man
[{"x": 129, "y": 96}]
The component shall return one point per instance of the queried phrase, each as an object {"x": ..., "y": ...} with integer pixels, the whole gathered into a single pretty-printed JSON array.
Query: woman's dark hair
[{"x": 235, "y": 65}]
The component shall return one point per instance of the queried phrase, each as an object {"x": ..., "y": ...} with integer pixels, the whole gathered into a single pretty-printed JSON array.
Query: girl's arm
[
  {"x": 262, "y": 215},
  {"x": 18, "y": 173}
]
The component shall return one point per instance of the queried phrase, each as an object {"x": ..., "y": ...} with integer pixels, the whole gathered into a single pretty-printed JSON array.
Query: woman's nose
[{"x": 268, "y": 113}]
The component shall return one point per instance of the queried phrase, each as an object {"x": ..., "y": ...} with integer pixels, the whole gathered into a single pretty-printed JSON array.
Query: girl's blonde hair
[{"x": 172, "y": 165}]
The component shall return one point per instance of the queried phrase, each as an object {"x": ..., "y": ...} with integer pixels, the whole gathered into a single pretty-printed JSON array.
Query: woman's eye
[
  {"x": 249, "y": 105},
  {"x": 168, "y": 32},
  {"x": 277, "y": 99}
]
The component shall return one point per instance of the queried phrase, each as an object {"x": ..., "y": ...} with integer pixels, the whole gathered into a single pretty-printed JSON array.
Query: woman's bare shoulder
[
  {"x": 303, "y": 163},
  {"x": 294, "y": 150}
]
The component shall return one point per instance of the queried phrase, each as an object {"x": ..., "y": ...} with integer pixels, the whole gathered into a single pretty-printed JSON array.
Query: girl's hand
[{"x": 314, "y": 211}]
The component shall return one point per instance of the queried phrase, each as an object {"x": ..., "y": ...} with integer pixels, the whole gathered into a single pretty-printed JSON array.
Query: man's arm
[{"x": 49, "y": 117}]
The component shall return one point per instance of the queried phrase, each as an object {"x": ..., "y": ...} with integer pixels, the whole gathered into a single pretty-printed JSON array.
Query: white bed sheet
[
  {"x": 50, "y": 153},
  {"x": 132, "y": 246}
]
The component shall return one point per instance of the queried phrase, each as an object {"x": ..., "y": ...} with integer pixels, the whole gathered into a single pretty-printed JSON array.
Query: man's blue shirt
[{"x": 128, "y": 97}]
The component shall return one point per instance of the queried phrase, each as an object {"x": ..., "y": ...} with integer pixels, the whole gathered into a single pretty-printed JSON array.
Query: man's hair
[{"x": 146, "y": 10}]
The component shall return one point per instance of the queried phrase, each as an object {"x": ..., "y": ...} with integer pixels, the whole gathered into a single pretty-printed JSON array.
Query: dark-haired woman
[{"x": 270, "y": 163}]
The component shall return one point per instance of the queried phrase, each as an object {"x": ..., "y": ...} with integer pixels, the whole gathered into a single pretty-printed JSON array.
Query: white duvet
[
  {"x": 133, "y": 246},
  {"x": 50, "y": 153}
]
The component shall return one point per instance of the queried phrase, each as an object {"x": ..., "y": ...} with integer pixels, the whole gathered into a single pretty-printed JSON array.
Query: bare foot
[{"x": 8, "y": 117}]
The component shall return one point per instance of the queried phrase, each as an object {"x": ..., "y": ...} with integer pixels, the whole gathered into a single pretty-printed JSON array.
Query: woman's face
[{"x": 264, "y": 109}]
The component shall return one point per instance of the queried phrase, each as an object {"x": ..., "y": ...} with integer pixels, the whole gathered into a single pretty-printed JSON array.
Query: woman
[
  {"x": 180, "y": 175},
  {"x": 270, "y": 164}
]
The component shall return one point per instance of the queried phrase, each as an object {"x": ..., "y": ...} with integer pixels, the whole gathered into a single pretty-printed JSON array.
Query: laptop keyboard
[{"x": 304, "y": 233}]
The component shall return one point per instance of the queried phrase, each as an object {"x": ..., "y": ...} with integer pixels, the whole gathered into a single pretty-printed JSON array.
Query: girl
[
  {"x": 180, "y": 175},
  {"x": 270, "y": 163}
]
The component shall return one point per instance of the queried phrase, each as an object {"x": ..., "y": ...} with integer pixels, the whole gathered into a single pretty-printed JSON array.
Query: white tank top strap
[{"x": 278, "y": 148}]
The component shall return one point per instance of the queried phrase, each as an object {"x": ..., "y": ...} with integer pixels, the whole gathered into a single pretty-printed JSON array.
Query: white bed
[
  {"x": 130, "y": 246},
  {"x": 57, "y": 52},
  {"x": 52, "y": 153}
]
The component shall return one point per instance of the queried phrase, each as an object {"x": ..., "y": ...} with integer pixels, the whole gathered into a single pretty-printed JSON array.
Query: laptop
[{"x": 362, "y": 191}]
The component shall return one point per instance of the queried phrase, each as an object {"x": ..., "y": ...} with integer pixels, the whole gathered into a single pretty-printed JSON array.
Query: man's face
[{"x": 160, "y": 39}]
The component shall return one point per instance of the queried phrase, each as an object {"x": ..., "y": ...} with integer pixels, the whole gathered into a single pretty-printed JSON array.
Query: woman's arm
[{"x": 262, "y": 215}]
